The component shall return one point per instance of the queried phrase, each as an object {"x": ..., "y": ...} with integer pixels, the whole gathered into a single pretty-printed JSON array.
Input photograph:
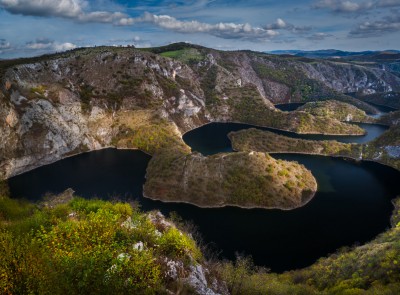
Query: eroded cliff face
[
  {"x": 87, "y": 99},
  {"x": 57, "y": 107},
  {"x": 345, "y": 77}
]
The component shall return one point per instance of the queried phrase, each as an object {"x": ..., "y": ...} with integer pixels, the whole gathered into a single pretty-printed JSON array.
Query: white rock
[
  {"x": 197, "y": 280},
  {"x": 139, "y": 246},
  {"x": 123, "y": 257}
]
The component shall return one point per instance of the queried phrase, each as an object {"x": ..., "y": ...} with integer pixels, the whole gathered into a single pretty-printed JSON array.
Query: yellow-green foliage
[
  {"x": 174, "y": 243},
  {"x": 270, "y": 142},
  {"x": 39, "y": 90},
  {"x": 187, "y": 55},
  {"x": 153, "y": 138},
  {"x": 86, "y": 247},
  {"x": 336, "y": 110},
  {"x": 240, "y": 179}
]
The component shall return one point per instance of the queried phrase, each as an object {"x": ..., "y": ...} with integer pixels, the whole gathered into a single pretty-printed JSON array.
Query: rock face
[
  {"x": 344, "y": 77},
  {"x": 51, "y": 107}
]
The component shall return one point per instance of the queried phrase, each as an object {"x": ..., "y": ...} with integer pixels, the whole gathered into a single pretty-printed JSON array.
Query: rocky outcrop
[
  {"x": 347, "y": 77},
  {"x": 64, "y": 104},
  {"x": 87, "y": 99}
]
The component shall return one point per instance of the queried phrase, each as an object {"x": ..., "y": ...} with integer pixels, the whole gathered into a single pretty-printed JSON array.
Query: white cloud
[
  {"x": 72, "y": 9},
  {"x": 79, "y": 10},
  {"x": 61, "y": 8},
  {"x": 63, "y": 46},
  {"x": 279, "y": 24},
  {"x": 49, "y": 45},
  {"x": 223, "y": 30}
]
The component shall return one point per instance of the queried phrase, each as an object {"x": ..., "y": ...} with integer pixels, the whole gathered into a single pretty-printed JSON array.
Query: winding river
[
  {"x": 352, "y": 205},
  {"x": 213, "y": 138}
]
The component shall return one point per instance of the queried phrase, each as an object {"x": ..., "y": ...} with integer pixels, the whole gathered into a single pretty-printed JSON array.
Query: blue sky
[{"x": 32, "y": 27}]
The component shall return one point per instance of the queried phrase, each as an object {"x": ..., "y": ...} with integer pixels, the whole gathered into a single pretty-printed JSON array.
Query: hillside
[
  {"x": 86, "y": 99},
  {"x": 58, "y": 105}
]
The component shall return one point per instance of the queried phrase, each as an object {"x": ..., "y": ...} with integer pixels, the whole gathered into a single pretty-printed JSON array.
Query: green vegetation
[
  {"x": 336, "y": 110},
  {"x": 270, "y": 142},
  {"x": 284, "y": 72},
  {"x": 386, "y": 148},
  {"x": 392, "y": 118},
  {"x": 89, "y": 247},
  {"x": 187, "y": 55},
  {"x": 208, "y": 84},
  {"x": 38, "y": 91},
  {"x": 4, "y": 189},
  {"x": 241, "y": 179},
  {"x": 85, "y": 94},
  {"x": 248, "y": 106},
  {"x": 98, "y": 247},
  {"x": 146, "y": 131}
]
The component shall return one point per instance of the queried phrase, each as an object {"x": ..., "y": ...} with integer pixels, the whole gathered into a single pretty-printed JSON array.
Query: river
[{"x": 352, "y": 205}]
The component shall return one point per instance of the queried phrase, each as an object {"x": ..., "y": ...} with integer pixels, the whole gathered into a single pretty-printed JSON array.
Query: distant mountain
[{"x": 388, "y": 55}]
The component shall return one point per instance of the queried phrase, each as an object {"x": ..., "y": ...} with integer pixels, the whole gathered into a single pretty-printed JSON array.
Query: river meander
[{"x": 352, "y": 205}]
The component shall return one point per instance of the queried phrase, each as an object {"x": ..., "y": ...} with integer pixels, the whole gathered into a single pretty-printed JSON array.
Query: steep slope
[
  {"x": 77, "y": 101},
  {"x": 86, "y": 99}
]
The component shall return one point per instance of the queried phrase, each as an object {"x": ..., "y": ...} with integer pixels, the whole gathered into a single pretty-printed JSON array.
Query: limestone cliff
[{"x": 86, "y": 99}]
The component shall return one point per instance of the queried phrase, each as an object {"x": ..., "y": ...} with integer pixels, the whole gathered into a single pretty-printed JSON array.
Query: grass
[
  {"x": 336, "y": 110},
  {"x": 270, "y": 142},
  {"x": 186, "y": 55},
  {"x": 239, "y": 179},
  {"x": 145, "y": 130}
]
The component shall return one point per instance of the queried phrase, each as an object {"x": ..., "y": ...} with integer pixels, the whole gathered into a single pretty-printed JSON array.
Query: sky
[{"x": 34, "y": 27}]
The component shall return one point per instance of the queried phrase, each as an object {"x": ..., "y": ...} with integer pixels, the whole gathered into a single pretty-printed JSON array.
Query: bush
[{"x": 85, "y": 247}]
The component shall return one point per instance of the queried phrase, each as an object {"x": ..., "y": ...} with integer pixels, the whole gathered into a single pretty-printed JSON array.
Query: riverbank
[{"x": 269, "y": 142}]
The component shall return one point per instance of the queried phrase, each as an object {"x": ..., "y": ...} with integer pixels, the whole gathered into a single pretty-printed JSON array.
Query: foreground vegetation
[
  {"x": 70, "y": 245},
  {"x": 76, "y": 246}
]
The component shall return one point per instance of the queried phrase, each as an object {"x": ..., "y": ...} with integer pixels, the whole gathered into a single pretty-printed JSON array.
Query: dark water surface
[
  {"x": 352, "y": 203},
  {"x": 289, "y": 107}
]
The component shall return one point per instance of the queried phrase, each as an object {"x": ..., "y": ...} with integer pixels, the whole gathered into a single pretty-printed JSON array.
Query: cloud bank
[
  {"x": 223, "y": 30},
  {"x": 76, "y": 10},
  {"x": 70, "y": 9},
  {"x": 44, "y": 43}
]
